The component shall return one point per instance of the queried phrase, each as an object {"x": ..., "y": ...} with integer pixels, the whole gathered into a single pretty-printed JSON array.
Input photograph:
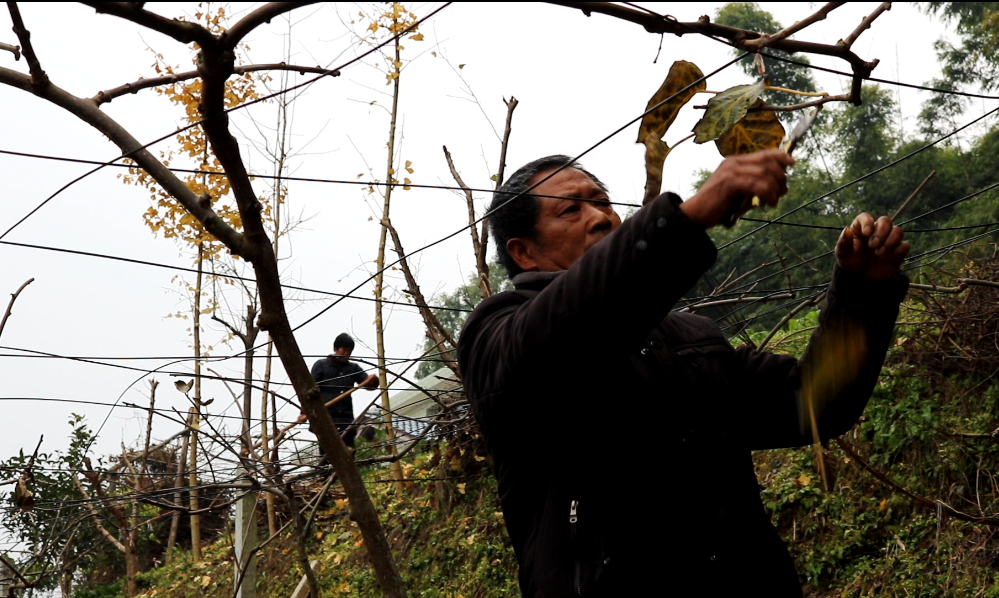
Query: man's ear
[{"x": 522, "y": 251}]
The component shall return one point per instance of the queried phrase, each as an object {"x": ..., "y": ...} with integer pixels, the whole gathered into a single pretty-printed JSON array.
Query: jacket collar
[{"x": 534, "y": 281}]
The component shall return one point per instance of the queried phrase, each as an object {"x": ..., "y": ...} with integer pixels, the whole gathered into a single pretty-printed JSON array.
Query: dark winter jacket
[
  {"x": 335, "y": 377},
  {"x": 621, "y": 432}
]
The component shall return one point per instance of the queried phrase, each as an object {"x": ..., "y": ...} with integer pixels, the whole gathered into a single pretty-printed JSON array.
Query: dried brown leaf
[
  {"x": 758, "y": 130},
  {"x": 655, "y": 124}
]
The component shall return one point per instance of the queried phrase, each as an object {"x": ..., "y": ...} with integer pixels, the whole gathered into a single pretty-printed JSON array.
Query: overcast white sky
[{"x": 577, "y": 80}]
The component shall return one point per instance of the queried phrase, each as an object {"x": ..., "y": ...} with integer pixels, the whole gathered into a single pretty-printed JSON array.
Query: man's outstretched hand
[
  {"x": 738, "y": 178},
  {"x": 874, "y": 248}
]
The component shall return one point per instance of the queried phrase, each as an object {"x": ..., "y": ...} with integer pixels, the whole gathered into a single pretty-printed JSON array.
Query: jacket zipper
[{"x": 576, "y": 570}]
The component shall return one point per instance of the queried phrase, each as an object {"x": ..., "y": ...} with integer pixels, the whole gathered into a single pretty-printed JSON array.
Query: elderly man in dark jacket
[{"x": 587, "y": 339}]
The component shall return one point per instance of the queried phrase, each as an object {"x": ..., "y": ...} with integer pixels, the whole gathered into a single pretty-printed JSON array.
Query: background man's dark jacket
[
  {"x": 621, "y": 433},
  {"x": 335, "y": 377}
]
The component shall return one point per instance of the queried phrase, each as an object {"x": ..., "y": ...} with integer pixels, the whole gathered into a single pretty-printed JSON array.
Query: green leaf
[{"x": 726, "y": 109}]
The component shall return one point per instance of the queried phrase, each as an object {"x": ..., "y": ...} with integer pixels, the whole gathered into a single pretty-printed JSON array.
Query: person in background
[{"x": 335, "y": 375}]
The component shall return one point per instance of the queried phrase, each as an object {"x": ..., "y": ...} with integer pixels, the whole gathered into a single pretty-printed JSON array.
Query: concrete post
[{"x": 246, "y": 542}]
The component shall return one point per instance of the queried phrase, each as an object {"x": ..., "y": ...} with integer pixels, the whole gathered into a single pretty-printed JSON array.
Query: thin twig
[
  {"x": 979, "y": 283},
  {"x": 787, "y": 317},
  {"x": 107, "y": 95},
  {"x": 774, "y": 297},
  {"x": 766, "y": 39},
  {"x": 15, "y": 50},
  {"x": 847, "y": 97},
  {"x": 912, "y": 196},
  {"x": 865, "y": 24},
  {"x": 38, "y": 77},
  {"x": 922, "y": 500},
  {"x": 10, "y": 305}
]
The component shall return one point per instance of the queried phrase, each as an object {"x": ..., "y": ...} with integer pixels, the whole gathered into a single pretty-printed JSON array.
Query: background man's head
[
  {"x": 343, "y": 345},
  {"x": 534, "y": 232}
]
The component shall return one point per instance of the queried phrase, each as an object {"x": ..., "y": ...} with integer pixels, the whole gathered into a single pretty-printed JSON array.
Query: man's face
[
  {"x": 341, "y": 354},
  {"x": 567, "y": 227}
]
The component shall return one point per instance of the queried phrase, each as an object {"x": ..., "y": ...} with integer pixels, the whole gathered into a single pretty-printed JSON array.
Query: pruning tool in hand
[{"x": 787, "y": 145}]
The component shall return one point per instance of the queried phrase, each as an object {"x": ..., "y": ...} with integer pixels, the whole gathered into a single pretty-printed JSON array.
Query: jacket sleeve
[
  {"x": 612, "y": 297},
  {"x": 840, "y": 367},
  {"x": 359, "y": 375}
]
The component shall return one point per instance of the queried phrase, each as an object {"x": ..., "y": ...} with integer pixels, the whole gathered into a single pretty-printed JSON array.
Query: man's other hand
[
  {"x": 872, "y": 247},
  {"x": 738, "y": 179},
  {"x": 371, "y": 382}
]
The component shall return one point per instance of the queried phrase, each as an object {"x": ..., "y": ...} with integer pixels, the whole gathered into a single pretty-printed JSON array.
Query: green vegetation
[
  {"x": 929, "y": 427},
  {"x": 446, "y": 530}
]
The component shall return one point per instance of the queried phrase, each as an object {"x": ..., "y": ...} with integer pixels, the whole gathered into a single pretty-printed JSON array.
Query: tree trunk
[
  {"x": 265, "y": 451},
  {"x": 395, "y": 467},
  {"x": 177, "y": 495},
  {"x": 131, "y": 563},
  {"x": 196, "y": 417},
  {"x": 248, "y": 342}
]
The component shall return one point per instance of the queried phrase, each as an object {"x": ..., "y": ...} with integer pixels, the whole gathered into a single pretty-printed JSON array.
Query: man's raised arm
[{"x": 623, "y": 286}]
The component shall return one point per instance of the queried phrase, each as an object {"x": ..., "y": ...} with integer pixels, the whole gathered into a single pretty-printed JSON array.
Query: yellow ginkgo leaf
[
  {"x": 461, "y": 487},
  {"x": 417, "y": 38},
  {"x": 804, "y": 480}
]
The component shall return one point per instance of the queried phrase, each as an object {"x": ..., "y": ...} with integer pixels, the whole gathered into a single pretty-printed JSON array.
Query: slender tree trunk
[
  {"x": 66, "y": 583},
  {"x": 196, "y": 417},
  {"x": 265, "y": 442},
  {"x": 248, "y": 342},
  {"x": 281, "y": 151},
  {"x": 396, "y": 469},
  {"x": 132, "y": 554},
  {"x": 178, "y": 495}
]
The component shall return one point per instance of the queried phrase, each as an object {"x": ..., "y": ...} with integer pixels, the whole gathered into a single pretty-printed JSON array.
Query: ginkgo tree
[{"x": 167, "y": 217}]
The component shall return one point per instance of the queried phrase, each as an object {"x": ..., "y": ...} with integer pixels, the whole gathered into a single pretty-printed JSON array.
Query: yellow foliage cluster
[
  {"x": 165, "y": 215},
  {"x": 395, "y": 20}
]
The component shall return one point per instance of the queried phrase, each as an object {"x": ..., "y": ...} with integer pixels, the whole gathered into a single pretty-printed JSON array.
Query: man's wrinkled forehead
[{"x": 571, "y": 182}]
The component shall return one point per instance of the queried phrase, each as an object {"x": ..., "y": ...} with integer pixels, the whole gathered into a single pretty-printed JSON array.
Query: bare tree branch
[
  {"x": 480, "y": 258},
  {"x": 149, "y": 426},
  {"x": 38, "y": 77},
  {"x": 766, "y": 40},
  {"x": 787, "y": 318},
  {"x": 846, "y": 97},
  {"x": 434, "y": 327},
  {"x": 13, "y": 569},
  {"x": 774, "y": 297},
  {"x": 87, "y": 111},
  {"x": 10, "y": 305},
  {"x": 93, "y": 510},
  {"x": 738, "y": 37},
  {"x": 477, "y": 246},
  {"x": 15, "y": 50},
  {"x": 183, "y": 31},
  {"x": 103, "y": 97},
  {"x": 864, "y": 25}
]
